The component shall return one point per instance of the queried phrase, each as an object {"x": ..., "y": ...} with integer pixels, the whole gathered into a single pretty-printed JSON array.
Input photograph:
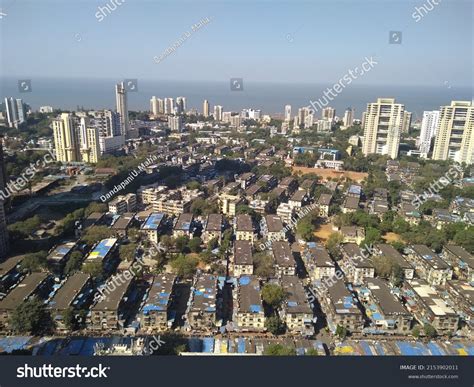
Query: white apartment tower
[
  {"x": 429, "y": 125},
  {"x": 205, "y": 108},
  {"x": 218, "y": 112},
  {"x": 154, "y": 106},
  {"x": 348, "y": 117},
  {"x": 169, "y": 105},
  {"x": 382, "y": 127},
  {"x": 288, "y": 113},
  {"x": 328, "y": 114},
  {"x": 455, "y": 133}
]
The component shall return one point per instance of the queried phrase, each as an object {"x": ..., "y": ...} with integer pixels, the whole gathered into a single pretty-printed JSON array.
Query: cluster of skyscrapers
[
  {"x": 451, "y": 127},
  {"x": 85, "y": 136}
]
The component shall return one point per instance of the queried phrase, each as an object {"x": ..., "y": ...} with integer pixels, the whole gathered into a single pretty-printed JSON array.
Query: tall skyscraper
[
  {"x": 122, "y": 108},
  {"x": 287, "y": 113},
  {"x": 154, "y": 107},
  {"x": 169, "y": 106},
  {"x": 455, "y": 135},
  {"x": 406, "y": 122},
  {"x": 382, "y": 127},
  {"x": 329, "y": 114},
  {"x": 65, "y": 138},
  {"x": 161, "y": 106},
  {"x": 205, "y": 108},
  {"x": 180, "y": 105},
  {"x": 429, "y": 126},
  {"x": 15, "y": 109},
  {"x": 348, "y": 117},
  {"x": 218, "y": 112},
  {"x": 89, "y": 141}
]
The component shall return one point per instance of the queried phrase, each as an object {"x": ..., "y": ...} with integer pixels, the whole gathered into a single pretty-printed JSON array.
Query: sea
[{"x": 271, "y": 98}]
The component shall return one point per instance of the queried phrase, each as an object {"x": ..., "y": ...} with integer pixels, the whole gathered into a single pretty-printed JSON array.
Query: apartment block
[
  {"x": 201, "y": 314},
  {"x": 243, "y": 258},
  {"x": 213, "y": 228},
  {"x": 285, "y": 263},
  {"x": 428, "y": 265},
  {"x": 318, "y": 263},
  {"x": 355, "y": 266},
  {"x": 296, "y": 311},
  {"x": 244, "y": 230},
  {"x": 155, "y": 315},
  {"x": 249, "y": 314}
]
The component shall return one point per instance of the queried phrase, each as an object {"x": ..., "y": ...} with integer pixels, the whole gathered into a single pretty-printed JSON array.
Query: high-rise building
[
  {"x": 180, "y": 105},
  {"x": 287, "y": 113},
  {"x": 65, "y": 138},
  {"x": 88, "y": 136},
  {"x": 455, "y": 135},
  {"x": 205, "y": 108},
  {"x": 348, "y": 117},
  {"x": 218, "y": 112},
  {"x": 329, "y": 114},
  {"x": 251, "y": 114},
  {"x": 16, "y": 112},
  {"x": 154, "y": 107},
  {"x": 362, "y": 121},
  {"x": 122, "y": 108},
  {"x": 429, "y": 125},
  {"x": 169, "y": 106},
  {"x": 382, "y": 127},
  {"x": 108, "y": 126},
  {"x": 45, "y": 109},
  {"x": 176, "y": 123},
  {"x": 406, "y": 122},
  {"x": 161, "y": 106}
]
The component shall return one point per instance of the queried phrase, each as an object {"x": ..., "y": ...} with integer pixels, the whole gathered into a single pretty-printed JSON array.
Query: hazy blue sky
[{"x": 289, "y": 41}]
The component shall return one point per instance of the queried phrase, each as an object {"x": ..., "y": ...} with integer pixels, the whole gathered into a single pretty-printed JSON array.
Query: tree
[
  {"x": 279, "y": 350},
  {"x": 416, "y": 331},
  {"x": 333, "y": 243},
  {"x": 273, "y": 295},
  {"x": 193, "y": 185},
  {"x": 181, "y": 244},
  {"x": 167, "y": 242},
  {"x": 95, "y": 207},
  {"x": 263, "y": 264},
  {"x": 92, "y": 268},
  {"x": 34, "y": 261},
  {"x": 31, "y": 317},
  {"x": 274, "y": 325},
  {"x": 341, "y": 332},
  {"x": 305, "y": 227},
  {"x": 74, "y": 263},
  {"x": 195, "y": 245},
  {"x": 127, "y": 252},
  {"x": 184, "y": 266},
  {"x": 429, "y": 331},
  {"x": 69, "y": 318}
]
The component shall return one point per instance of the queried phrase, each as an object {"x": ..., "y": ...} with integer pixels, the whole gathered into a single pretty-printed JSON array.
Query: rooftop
[
  {"x": 153, "y": 221},
  {"x": 430, "y": 257},
  {"x": 184, "y": 222},
  {"x": 159, "y": 294},
  {"x": 68, "y": 292},
  {"x": 283, "y": 255},
  {"x": 22, "y": 291},
  {"x": 243, "y": 253},
  {"x": 385, "y": 299},
  {"x": 296, "y": 301},
  {"x": 204, "y": 294},
  {"x": 112, "y": 300},
  {"x": 214, "y": 222},
  {"x": 249, "y": 300},
  {"x": 274, "y": 223},
  {"x": 342, "y": 300},
  {"x": 243, "y": 223}
]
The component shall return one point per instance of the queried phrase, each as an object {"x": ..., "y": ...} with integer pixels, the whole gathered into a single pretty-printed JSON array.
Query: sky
[{"x": 270, "y": 41}]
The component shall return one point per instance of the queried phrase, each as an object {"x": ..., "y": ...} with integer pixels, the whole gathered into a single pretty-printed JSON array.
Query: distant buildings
[
  {"x": 287, "y": 113},
  {"x": 382, "y": 127},
  {"x": 348, "y": 117},
  {"x": 329, "y": 114},
  {"x": 429, "y": 126},
  {"x": 218, "y": 109},
  {"x": 176, "y": 123},
  {"x": 455, "y": 137}
]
